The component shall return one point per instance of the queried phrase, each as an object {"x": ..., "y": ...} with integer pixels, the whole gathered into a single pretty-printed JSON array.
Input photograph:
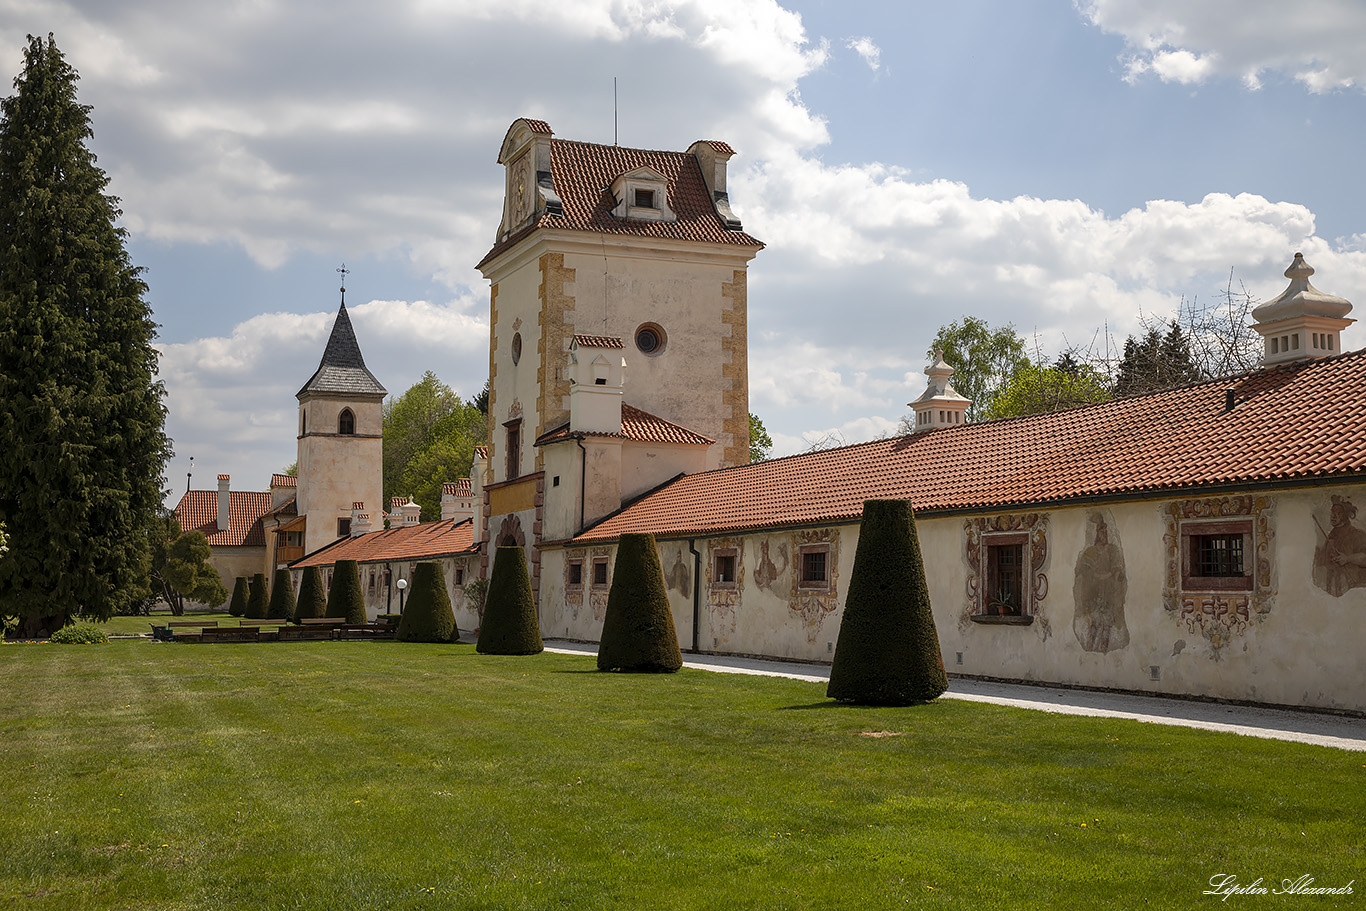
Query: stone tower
[{"x": 341, "y": 426}]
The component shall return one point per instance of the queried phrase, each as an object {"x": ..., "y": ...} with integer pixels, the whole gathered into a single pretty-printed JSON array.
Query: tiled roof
[
  {"x": 460, "y": 488},
  {"x": 481, "y": 452},
  {"x": 198, "y": 509},
  {"x": 1303, "y": 421},
  {"x": 538, "y": 126},
  {"x": 637, "y": 426},
  {"x": 412, "y": 542},
  {"x": 289, "y": 507},
  {"x": 284, "y": 480},
  {"x": 342, "y": 368},
  {"x": 582, "y": 173},
  {"x": 599, "y": 341}
]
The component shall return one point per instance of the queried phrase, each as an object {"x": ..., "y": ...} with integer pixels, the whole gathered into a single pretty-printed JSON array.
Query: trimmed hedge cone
[
  {"x": 638, "y": 631},
  {"x": 256, "y": 597},
  {"x": 240, "y": 590},
  {"x": 312, "y": 602},
  {"x": 510, "y": 626},
  {"x": 344, "y": 598},
  {"x": 888, "y": 649},
  {"x": 281, "y": 597},
  {"x": 428, "y": 616}
]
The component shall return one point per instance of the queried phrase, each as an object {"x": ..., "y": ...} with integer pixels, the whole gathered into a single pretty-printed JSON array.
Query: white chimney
[
  {"x": 410, "y": 512},
  {"x": 939, "y": 405},
  {"x": 1302, "y": 322},
  {"x": 597, "y": 374},
  {"x": 360, "y": 519},
  {"x": 457, "y": 504},
  {"x": 223, "y": 511}
]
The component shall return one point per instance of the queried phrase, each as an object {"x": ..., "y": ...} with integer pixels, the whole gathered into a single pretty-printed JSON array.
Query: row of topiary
[{"x": 887, "y": 652}]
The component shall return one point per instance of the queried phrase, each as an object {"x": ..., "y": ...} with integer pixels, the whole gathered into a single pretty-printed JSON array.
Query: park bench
[
  {"x": 230, "y": 634},
  {"x": 323, "y": 621},
  {"x": 309, "y": 632}
]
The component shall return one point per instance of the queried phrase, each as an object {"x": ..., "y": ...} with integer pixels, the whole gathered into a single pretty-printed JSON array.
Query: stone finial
[
  {"x": 939, "y": 405},
  {"x": 1301, "y": 322}
]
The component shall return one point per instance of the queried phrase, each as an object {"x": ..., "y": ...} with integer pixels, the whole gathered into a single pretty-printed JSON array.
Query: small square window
[
  {"x": 1216, "y": 556},
  {"x": 343, "y": 528},
  {"x": 645, "y": 199},
  {"x": 725, "y": 569},
  {"x": 574, "y": 579},
  {"x": 600, "y": 572},
  {"x": 459, "y": 575},
  {"x": 813, "y": 567}
]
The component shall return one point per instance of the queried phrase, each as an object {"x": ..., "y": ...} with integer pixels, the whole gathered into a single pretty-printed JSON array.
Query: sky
[{"x": 1064, "y": 167}]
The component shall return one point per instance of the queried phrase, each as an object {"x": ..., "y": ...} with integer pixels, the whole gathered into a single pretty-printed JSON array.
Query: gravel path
[{"x": 1338, "y": 731}]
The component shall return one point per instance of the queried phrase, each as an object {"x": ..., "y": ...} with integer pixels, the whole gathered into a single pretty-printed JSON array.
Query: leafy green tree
[
  {"x": 638, "y": 630},
  {"x": 509, "y": 625},
  {"x": 888, "y": 648},
  {"x": 760, "y": 443},
  {"x": 82, "y": 427},
  {"x": 1035, "y": 389},
  {"x": 281, "y": 597},
  {"x": 344, "y": 597},
  {"x": 312, "y": 600},
  {"x": 983, "y": 360},
  {"x": 180, "y": 566},
  {"x": 257, "y": 596},
  {"x": 428, "y": 616},
  {"x": 429, "y": 438},
  {"x": 241, "y": 592}
]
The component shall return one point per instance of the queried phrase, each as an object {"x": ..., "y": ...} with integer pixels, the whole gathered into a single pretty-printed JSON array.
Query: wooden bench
[
  {"x": 309, "y": 633},
  {"x": 199, "y": 623},
  {"x": 323, "y": 621},
  {"x": 231, "y": 634},
  {"x": 366, "y": 631}
]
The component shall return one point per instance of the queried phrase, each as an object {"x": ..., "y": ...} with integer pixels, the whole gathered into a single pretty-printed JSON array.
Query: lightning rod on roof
[{"x": 344, "y": 272}]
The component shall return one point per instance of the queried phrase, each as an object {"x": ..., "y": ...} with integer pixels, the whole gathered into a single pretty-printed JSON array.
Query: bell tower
[{"x": 341, "y": 426}]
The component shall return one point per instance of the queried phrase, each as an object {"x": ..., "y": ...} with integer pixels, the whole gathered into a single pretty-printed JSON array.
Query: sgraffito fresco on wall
[
  {"x": 1340, "y": 554},
  {"x": 766, "y": 571},
  {"x": 813, "y": 603},
  {"x": 1100, "y": 588},
  {"x": 723, "y": 596},
  {"x": 678, "y": 572}
]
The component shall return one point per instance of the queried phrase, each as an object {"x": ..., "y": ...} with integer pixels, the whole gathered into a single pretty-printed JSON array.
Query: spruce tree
[
  {"x": 428, "y": 616},
  {"x": 638, "y": 631},
  {"x": 240, "y": 592},
  {"x": 81, "y": 430},
  {"x": 281, "y": 597},
  {"x": 256, "y": 597},
  {"x": 888, "y": 647},
  {"x": 312, "y": 600},
  {"x": 344, "y": 598},
  {"x": 510, "y": 626}
]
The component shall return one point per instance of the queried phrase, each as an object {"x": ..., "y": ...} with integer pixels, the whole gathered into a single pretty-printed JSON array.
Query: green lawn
[
  {"x": 125, "y": 626},
  {"x": 341, "y": 775}
]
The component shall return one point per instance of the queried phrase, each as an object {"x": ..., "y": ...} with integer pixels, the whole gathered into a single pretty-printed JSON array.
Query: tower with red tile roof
[{"x": 632, "y": 253}]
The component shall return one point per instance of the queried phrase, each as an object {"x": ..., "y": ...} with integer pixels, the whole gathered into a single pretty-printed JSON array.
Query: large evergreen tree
[{"x": 81, "y": 429}]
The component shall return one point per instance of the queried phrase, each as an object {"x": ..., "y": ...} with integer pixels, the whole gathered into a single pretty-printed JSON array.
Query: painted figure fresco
[
  {"x": 767, "y": 572},
  {"x": 1340, "y": 561},
  {"x": 1099, "y": 591},
  {"x": 679, "y": 575}
]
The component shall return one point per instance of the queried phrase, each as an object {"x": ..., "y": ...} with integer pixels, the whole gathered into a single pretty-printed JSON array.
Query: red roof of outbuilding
[
  {"x": 637, "y": 426},
  {"x": 1304, "y": 421},
  {"x": 198, "y": 510},
  {"x": 413, "y": 542}
]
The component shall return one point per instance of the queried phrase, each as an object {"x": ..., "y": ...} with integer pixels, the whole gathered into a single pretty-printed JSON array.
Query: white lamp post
[{"x": 402, "y": 585}]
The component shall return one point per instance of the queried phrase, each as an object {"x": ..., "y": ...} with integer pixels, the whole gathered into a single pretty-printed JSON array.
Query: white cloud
[
  {"x": 1315, "y": 42},
  {"x": 865, "y": 48}
]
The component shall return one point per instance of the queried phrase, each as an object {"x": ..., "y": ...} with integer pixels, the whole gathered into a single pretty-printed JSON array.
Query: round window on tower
[
  {"x": 517, "y": 348},
  {"x": 650, "y": 339}
]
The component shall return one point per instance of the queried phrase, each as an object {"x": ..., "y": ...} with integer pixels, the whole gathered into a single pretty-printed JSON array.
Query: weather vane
[{"x": 344, "y": 272}]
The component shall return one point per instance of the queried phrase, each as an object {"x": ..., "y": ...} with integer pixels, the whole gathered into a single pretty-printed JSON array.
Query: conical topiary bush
[
  {"x": 638, "y": 631},
  {"x": 344, "y": 598},
  {"x": 256, "y": 598},
  {"x": 312, "y": 600},
  {"x": 428, "y": 616},
  {"x": 510, "y": 626},
  {"x": 240, "y": 592},
  {"x": 888, "y": 648},
  {"x": 281, "y": 597}
]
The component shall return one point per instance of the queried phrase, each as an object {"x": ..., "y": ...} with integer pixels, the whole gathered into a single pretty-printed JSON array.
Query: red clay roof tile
[
  {"x": 413, "y": 542},
  {"x": 582, "y": 173},
  {"x": 198, "y": 510},
  {"x": 1300, "y": 421},
  {"x": 637, "y": 426}
]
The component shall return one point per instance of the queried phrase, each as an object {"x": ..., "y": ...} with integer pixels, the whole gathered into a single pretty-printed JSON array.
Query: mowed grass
[{"x": 350, "y": 775}]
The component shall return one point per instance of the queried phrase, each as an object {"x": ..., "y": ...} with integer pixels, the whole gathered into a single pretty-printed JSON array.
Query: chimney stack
[
  {"x": 360, "y": 519},
  {"x": 410, "y": 511},
  {"x": 223, "y": 511}
]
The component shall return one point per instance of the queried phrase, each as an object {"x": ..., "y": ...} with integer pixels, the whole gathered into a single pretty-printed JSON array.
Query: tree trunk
[{"x": 40, "y": 627}]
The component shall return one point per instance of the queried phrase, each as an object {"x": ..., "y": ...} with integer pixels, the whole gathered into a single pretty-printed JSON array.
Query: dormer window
[{"x": 642, "y": 194}]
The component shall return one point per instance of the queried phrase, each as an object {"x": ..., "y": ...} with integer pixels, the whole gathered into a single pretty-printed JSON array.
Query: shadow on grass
[{"x": 824, "y": 704}]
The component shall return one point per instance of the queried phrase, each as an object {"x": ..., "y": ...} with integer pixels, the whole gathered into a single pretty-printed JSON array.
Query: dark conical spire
[{"x": 342, "y": 368}]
